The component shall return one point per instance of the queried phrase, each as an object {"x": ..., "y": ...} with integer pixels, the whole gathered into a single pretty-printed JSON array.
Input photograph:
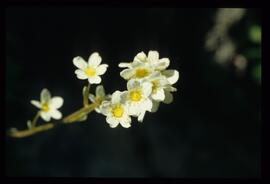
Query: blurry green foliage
[{"x": 255, "y": 34}]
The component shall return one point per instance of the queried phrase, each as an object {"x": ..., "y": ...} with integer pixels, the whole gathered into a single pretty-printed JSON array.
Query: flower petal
[
  {"x": 56, "y": 102},
  {"x": 133, "y": 83},
  {"x": 116, "y": 97},
  {"x": 112, "y": 122},
  {"x": 125, "y": 122},
  {"x": 105, "y": 107},
  {"x": 45, "y": 116},
  {"x": 101, "y": 69},
  {"x": 172, "y": 75},
  {"x": 100, "y": 91},
  {"x": 141, "y": 116},
  {"x": 45, "y": 95},
  {"x": 79, "y": 62},
  {"x": 127, "y": 73},
  {"x": 80, "y": 74},
  {"x": 147, "y": 88},
  {"x": 36, "y": 103},
  {"x": 168, "y": 97},
  {"x": 124, "y": 65},
  {"x": 155, "y": 106},
  {"x": 159, "y": 95},
  {"x": 140, "y": 57},
  {"x": 153, "y": 56},
  {"x": 56, "y": 114},
  {"x": 147, "y": 104},
  {"x": 162, "y": 64},
  {"x": 94, "y": 59},
  {"x": 91, "y": 97},
  {"x": 94, "y": 80}
]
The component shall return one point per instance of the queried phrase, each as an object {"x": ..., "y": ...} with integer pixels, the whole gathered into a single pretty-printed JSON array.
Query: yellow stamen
[
  {"x": 45, "y": 107},
  {"x": 118, "y": 111},
  {"x": 90, "y": 71},
  {"x": 141, "y": 72},
  {"x": 135, "y": 95}
]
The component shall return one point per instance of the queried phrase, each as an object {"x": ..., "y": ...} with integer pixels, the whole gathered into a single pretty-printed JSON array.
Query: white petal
[
  {"x": 45, "y": 116},
  {"x": 168, "y": 97},
  {"x": 124, "y": 65},
  {"x": 134, "y": 109},
  {"x": 80, "y": 74},
  {"x": 101, "y": 69},
  {"x": 140, "y": 57},
  {"x": 172, "y": 75},
  {"x": 155, "y": 106},
  {"x": 116, "y": 97},
  {"x": 112, "y": 122},
  {"x": 159, "y": 95},
  {"x": 162, "y": 64},
  {"x": 141, "y": 116},
  {"x": 94, "y": 59},
  {"x": 91, "y": 97},
  {"x": 36, "y": 103},
  {"x": 147, "y": 104},
  {"x": 105, "y": 107},
  {"x": 147, "y": 88},
  {"x": 79, "y": 62},
  {"x": 100, "y": 91},
  {"x": 56, "y": 102},
  {"x": 55, "y": 114},
  {"x": 153, "y": 56},
  {"x": 127, "y": 73},
  {"x": 94, "y": 80},
  {"x": 45, "y": 95},
  {"x": 125, "y": 121},
  {"x": 98, "y": 110},
  {"x": 133, "y": 83}
]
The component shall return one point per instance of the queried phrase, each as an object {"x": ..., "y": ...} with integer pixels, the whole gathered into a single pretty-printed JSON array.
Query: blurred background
[{"x": 212, "y": 128}]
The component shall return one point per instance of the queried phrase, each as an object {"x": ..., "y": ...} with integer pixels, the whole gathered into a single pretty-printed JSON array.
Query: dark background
[{"x": 212, "y": 129}]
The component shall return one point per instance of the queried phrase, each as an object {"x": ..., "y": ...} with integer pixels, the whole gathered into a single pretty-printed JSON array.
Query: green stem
[
  {"x": 79, "y": 113},
  {"x": 34, "y": 122}
]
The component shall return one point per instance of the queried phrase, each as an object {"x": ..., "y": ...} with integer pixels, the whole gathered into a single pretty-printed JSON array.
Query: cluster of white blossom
[{"x": 149, "y": 82}]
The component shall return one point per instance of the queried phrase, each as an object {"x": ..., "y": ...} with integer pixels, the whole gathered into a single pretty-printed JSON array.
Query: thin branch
[{"x": 34, "y": 130}]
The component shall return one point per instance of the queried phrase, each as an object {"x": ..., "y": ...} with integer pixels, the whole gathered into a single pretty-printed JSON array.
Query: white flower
[
  {"x": 48, "y": 106},
  {"x": 172, "y": 77},
  {"x": 99, "y": 98},
  {"x": 137, "y": 97},
  {"x": 142, "y": 65},
  {"x": 91, "y": 70},
  {"x": 116, "y": 111}
]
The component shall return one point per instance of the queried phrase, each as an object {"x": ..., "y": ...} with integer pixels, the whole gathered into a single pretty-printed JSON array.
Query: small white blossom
[
  {"x": 99, "y": 97},
  {"x": 137, "y": 97},
  {"x": 143, "y": 66},
  {"x": 48, "y": 105},
  {"x": 116, "y": 111},
  {"x": 91, "y": 70}
]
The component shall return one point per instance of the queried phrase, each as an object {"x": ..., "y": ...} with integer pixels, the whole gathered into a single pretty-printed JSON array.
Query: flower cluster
[{"x": 149, "y": 82}]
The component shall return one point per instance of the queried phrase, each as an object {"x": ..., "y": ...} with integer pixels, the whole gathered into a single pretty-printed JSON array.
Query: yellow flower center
[
  {"x": 45, "y": 107},
  {"x": 141, "y": 72},
  {"x": 155, "y": 86},
  {"x": 135, "y": 95},
  {"x": 118, "y": 111},
  {"x": 90, "y": 71}
]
